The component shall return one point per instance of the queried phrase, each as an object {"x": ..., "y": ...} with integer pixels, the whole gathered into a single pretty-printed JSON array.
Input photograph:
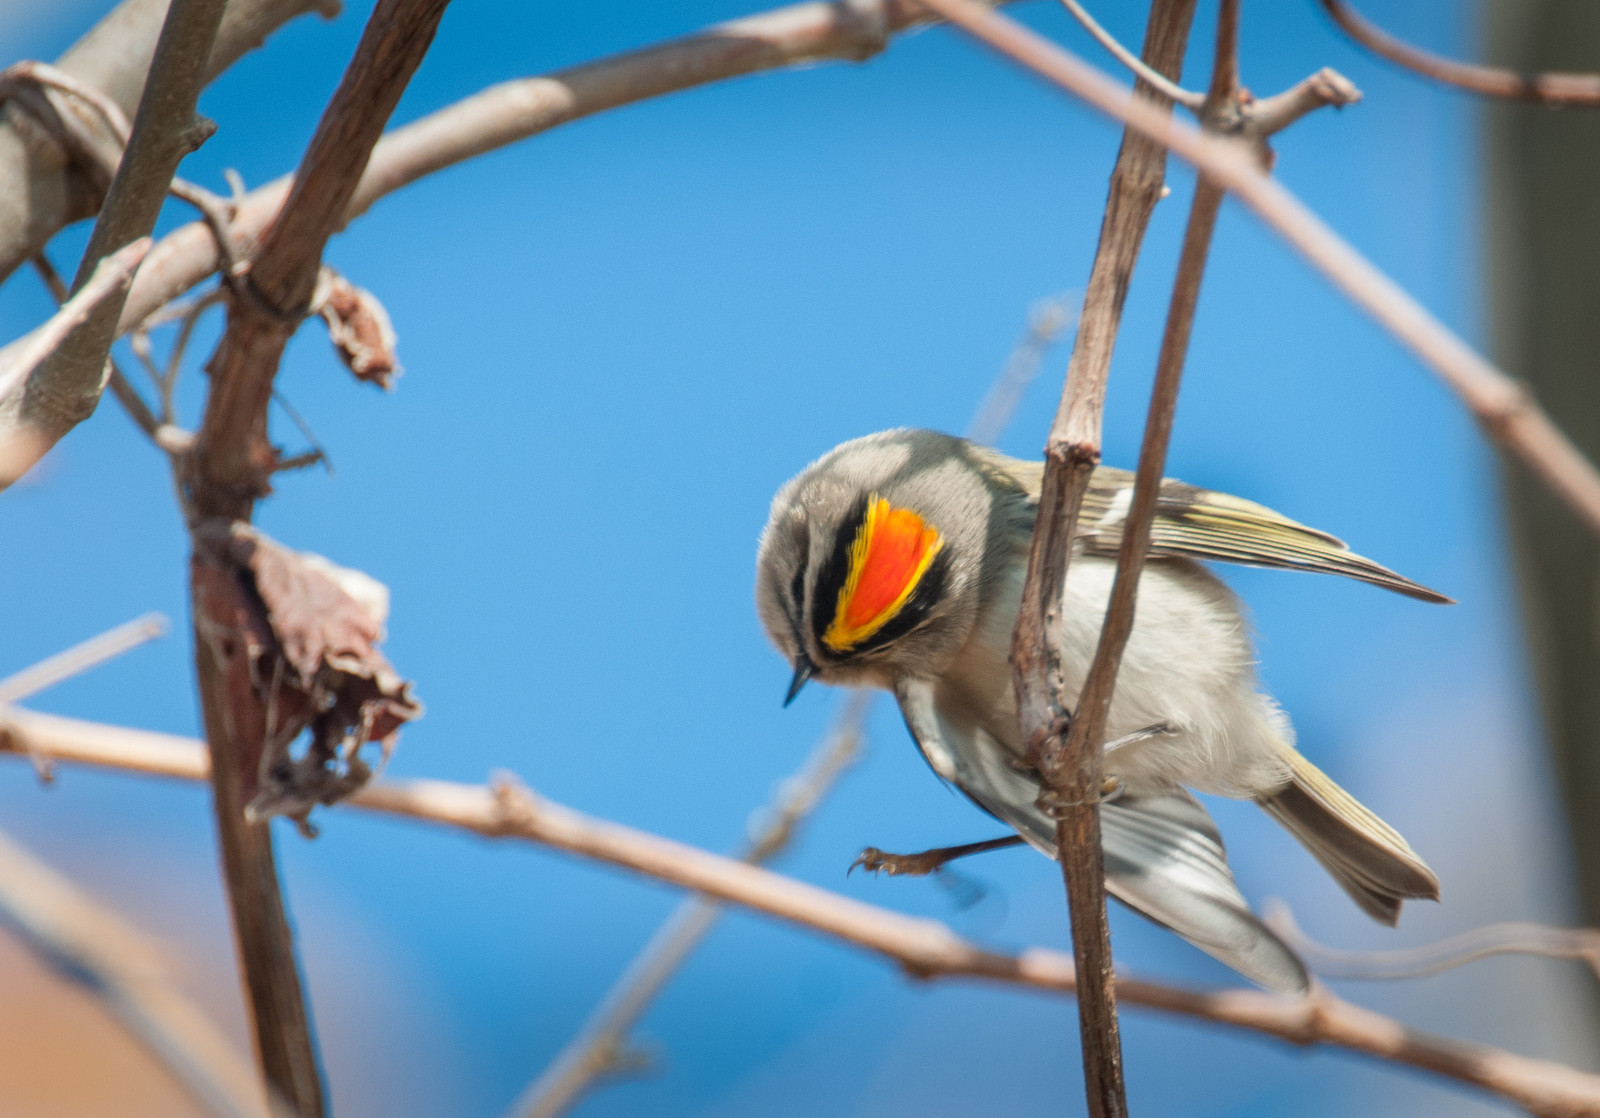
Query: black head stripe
[{"x": 833, "y": 574}]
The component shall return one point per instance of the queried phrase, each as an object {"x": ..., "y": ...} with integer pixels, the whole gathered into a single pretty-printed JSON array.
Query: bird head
[{"x": 878, "y": 557}]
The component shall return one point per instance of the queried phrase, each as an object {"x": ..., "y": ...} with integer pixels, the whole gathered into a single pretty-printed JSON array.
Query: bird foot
[{"x": 927, "y": 861}]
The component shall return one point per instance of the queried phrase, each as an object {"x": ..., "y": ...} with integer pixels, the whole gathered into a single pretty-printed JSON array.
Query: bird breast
[{"x": 1188, "y": 664}]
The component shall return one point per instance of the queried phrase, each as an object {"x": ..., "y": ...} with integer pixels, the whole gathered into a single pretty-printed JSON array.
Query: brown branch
[
  {"x": 796, "y": 35},
  {"x": 224, "y": 474},
  {"x": 1502, "y": 406},
  {"x": 92, "y": 946},
  {"x": 923, "y": 948},
  {"x": 66, "y": 387},
  {"x": 127, "y": 395},
  {"x": 1543, "y": 89},
  {"x": 1073, "y": 449},
  {"x": 44, "y": 185},
  {"x": 600, "y": 1047}
]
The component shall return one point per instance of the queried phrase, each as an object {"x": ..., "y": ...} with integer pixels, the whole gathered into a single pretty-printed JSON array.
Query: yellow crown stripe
[{"x": 841, "y": 635}]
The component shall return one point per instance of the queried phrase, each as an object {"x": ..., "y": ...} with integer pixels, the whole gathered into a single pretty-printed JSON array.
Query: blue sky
[{"x": 619, "y": 339}]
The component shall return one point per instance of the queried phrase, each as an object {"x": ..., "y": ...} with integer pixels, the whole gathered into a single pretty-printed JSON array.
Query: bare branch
[
  {"x": 797, "y": 35},
  {"x": 227, "y": 469},
  {"x": 22, "y": 441},
  {"x": 1544, "y": 89},
  {"x": 923, "y": 948},
  {"x": 1514, "y": 938},
  {"x": 1502, "y": 406},
  {"x": 44, "y": 185},
  {"x": 1152, "y": 77},
  {"x": 601, "y": 1044},
  {"x": 93, "y": 947},
  {"x": 1046, "y": 320},
  {"x": 82, "y": 657},
  {"x": 67, "y": 385},
  {"x": 1072, "y": 776}
]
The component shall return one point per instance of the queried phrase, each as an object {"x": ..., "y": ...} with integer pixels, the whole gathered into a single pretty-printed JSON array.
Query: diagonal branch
[
  {"x": 1073, "y": 780},
  {"x": 63, "y": 391},
  {"x": 21, "y": 442},
  {"x": 1507, "y": 412},
  {"x": 91, "y": 945},
  {"x": 600, "y": 1046},
  {"x": 923, "y": 948},
  {"x": 43, "y": 185},
  {"x": 1543, "y": 89},
  {"x": 801, "y": 34}
]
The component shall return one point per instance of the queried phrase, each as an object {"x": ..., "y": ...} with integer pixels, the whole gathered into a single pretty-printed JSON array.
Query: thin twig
[
  {"x": 1512, "y": 938},
  {"x": 82, "y": 657},
  {"x": 1046, "y": 320},
  {"x": 1504, "y": 408},
  {"x": 602, "y": 1041},
  {"x": 923, "y": 948},
  {"x": 75, "y": 661},
  {"x": 1152, "y": 77},
  {"x": 1544, "y": 89},
  {"x": 92, "y": 946},
  {"x": 1072, "y": 779}
]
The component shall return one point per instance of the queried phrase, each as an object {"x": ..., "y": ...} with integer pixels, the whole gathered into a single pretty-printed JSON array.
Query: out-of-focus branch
[
  {"x": 1503, "y": 407},
  {"x": 65, "y": 387},
  {"x": 92, "y": 946},
  {"x": 81, "y": 657},
  {"x": 1046, "y": 320},
  {"x": 43, "y": 186},
  {"x": 21, "y": 442},
  {"x": 1544, "y": 89},
  {"x": 1513, "y": 938},
  {"x": 797, "y": 35},
  {"x": 1072, "y": 778},
  {"x": 600, "y": 1047},
  {"x": 224, "y": 474},
  {"x": 923, "y": 948}
]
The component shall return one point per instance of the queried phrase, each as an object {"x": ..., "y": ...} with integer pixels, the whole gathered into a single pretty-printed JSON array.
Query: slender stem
[
  {"x": 1544, "y": 89},
  {"x": 1073, "y": 780},
  {"x": 1152, "y": 77},
  {"x": 924, "y": 948}
]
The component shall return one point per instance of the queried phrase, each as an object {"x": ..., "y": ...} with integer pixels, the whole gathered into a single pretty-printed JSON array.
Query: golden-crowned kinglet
[{"x": 897, "y": 561}]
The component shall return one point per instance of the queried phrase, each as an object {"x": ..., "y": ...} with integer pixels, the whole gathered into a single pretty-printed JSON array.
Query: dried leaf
[
  {"x": 309, "y": 632},
  {"x": 359, "y": 328}
]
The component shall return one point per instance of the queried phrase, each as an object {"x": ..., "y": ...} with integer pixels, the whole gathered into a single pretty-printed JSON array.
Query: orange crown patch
[{"x": 891, "y": 552}]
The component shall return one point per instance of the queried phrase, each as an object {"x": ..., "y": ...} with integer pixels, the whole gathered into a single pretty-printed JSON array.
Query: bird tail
[{"x": 1365, "y": 855}]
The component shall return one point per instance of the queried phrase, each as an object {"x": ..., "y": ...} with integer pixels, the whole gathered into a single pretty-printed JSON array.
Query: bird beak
[{"x": 804, "y": 669}]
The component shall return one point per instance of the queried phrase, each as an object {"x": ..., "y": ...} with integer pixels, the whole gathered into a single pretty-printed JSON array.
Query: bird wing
[
  {"x": 1164, "y": 858},
  {"x": 1195, "y": 523}
]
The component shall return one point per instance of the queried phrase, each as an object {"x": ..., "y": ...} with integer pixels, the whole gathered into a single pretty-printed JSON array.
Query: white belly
[{"x": 1188, "y": 664}]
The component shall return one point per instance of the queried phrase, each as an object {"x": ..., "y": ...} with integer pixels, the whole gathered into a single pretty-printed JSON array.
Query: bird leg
[{"x": 928, "y": 861}]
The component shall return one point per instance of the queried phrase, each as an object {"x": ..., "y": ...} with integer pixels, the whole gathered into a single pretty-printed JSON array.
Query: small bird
[{"x": 897, "y": 561}]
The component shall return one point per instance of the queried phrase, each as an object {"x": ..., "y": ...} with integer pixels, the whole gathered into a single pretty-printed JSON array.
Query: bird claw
[{"x": 874, "y": 860}]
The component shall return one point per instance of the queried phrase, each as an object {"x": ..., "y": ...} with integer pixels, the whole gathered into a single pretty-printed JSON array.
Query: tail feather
[{"x": 1365, "y": 855}]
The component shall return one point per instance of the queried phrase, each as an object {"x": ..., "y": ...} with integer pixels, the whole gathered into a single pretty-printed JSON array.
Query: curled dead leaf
[
  {"x": 297, "y": 635},
  {"x": 359, "y": 328}
]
